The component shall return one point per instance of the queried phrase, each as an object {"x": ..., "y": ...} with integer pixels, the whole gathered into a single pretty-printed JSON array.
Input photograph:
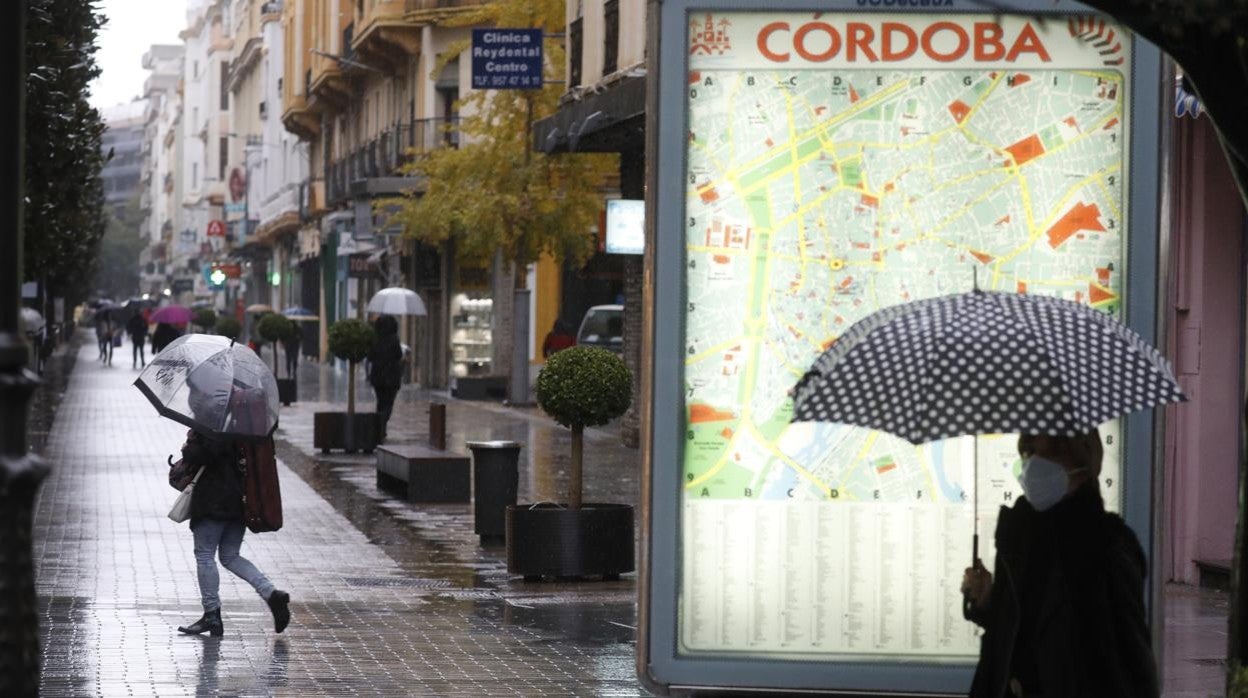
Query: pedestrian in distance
[
  {"x": 163, "y": 336},
  {"x": 218, "y": 524},
  {"x": 290, "y": 345},
  {"x": 136, "y": 327},
  {"x": 1063, "y": 611},
  {"x": 104, "y": 330},
  {"x": 558, "y": 339},
  {"x": 385, "y": 370}
]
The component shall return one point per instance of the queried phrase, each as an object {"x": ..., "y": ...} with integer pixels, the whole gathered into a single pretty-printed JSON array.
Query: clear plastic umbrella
[
  {"x": 212, "y": 385},
  {"x": 396, "y": 301}
]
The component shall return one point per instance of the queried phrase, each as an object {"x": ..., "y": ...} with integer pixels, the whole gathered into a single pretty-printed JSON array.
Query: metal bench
[{"x": 424, "y": 474}]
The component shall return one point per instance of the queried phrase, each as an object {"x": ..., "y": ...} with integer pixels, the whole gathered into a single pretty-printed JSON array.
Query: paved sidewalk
[{"x": 115, "y": 578}]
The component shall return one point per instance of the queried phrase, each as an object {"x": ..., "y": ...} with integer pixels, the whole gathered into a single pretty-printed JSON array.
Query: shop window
[{"x": 471, "y": 334}]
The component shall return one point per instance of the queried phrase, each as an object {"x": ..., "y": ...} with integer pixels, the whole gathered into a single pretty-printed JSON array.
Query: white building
[
  {"x": 205, "y": 136},
  {"x": 162, "y": 211}
]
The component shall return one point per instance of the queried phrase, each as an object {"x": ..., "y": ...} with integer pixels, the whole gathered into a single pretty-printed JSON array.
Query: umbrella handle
[{"x": 968, "y": 607}]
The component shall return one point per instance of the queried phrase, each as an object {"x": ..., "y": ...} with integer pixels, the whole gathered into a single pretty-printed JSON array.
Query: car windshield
[{"x": 602, "y": 327}]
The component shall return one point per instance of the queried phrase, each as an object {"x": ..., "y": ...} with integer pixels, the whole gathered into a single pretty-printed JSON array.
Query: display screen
[
  {"x": 626, "y": 226},
  {"x": 838, "y": 164}
]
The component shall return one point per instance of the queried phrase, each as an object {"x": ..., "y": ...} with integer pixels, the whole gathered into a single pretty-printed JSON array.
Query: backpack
[{"x": 262, "y": 495}]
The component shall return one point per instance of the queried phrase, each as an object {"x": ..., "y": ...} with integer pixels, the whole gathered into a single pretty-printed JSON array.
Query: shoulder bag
[{"x": 181, "y": 510}]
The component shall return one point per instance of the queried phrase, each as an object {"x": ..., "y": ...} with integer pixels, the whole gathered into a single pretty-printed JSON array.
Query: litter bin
[{"x": 495, "y": 479}]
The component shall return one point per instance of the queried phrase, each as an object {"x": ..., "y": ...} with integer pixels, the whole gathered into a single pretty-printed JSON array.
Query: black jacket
[
  {"x": 1066, "y": 615},
  {"x": 136, "y": 327},
  {"x": 385, "y": 362},
  {"x": 164, "y": 335},
  {"x": 219, "y": 492}
]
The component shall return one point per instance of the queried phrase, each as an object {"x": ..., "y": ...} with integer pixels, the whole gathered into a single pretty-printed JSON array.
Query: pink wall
[{"x": 1204, "y": 330}]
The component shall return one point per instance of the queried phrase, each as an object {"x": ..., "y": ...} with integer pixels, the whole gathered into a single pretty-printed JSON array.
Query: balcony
[
  {"x": 385, "y": 35},
  {"x": 383, "y": 157},
  {"x": 298, "y": 119}
]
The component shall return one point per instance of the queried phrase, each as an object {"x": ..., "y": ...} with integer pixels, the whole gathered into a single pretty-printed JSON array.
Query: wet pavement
[{"x": 389, "y": 598}]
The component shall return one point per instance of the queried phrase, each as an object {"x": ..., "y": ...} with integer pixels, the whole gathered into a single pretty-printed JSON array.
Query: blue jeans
[{"x": 223, "y": 538}]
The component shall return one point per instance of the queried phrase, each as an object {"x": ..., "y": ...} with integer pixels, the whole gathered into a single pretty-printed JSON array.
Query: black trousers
[
  {"x": 385, "y": 406},
  {"x": 292, "y": 363},
  {"x": 138, "y": 353}
]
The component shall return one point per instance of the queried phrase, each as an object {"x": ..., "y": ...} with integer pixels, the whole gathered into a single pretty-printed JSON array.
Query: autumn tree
[{"x": 493, "y": 198}]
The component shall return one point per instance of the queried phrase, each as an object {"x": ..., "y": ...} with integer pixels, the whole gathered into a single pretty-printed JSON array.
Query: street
[{"x": 388, "y": 598}]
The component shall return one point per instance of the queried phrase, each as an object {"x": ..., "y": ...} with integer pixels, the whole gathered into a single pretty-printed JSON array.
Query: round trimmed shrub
[
  {"x": 205, "y": 318},
  {"x": 228, "y": 327},
  {"x": 350, "y": 340},
  {"x": 584, "y": 387},
  {"x": 274, "y": 327}
]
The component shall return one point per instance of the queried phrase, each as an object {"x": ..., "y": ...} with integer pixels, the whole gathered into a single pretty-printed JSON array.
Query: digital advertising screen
[
  {"x": 837, "y": 163},
  {"x": 626, "y": 226}
]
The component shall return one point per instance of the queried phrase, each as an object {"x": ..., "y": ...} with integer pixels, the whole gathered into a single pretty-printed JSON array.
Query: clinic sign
[
  {"x": 812, "y": 167},
  {"x": 506, "y": 59}
]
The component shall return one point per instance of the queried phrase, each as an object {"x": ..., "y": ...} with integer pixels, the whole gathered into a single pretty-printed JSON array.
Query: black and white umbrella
[
  {"x": 984, "y": 363},
  {"x": 212, "y": 385}
]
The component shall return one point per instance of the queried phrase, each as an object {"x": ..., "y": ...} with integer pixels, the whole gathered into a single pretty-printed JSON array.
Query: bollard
[
  {"x": 495, "y": 480},
  {"x": 437, "y": 425}
]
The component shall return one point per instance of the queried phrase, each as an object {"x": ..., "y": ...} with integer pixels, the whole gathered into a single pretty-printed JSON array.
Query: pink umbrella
[{"x": 172, "y": 315}]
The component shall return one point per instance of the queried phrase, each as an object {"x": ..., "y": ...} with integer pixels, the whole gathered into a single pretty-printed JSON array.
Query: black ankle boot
[
  {"x": 210, "y": 623},
  {"x": 279, "y": 604}
]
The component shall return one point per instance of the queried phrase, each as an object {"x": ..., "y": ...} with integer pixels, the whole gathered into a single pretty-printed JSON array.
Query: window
[
  {"x": 574, "y": 52},
  {"x": 223, "y": 157},
  {"x": 194, "y": 175},
  {"x": 225, "y": 86},
  {"x": 194, "y": 69},
  {"x": 611, "y": 37},
  {"x": 194, "y": 118}
]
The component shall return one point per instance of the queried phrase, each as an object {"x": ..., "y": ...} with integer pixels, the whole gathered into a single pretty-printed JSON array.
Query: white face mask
[{"x": 1044, "y": 482}]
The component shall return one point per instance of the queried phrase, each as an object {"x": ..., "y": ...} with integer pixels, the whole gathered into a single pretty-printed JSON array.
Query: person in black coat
[
  {"x": 1064, "y": 612},
  {"x": 217, "y": 517},
  {"x": 136, "y": 327},
  {"x": 385, "y": 370},
  {"x": 290, "y": 345},
  {"x": 163, "y": 336}
]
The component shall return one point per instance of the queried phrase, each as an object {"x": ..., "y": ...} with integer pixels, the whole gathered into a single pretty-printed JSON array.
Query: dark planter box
[
  {"x": 287, "y": 390},
  {"x": 547, "y": 540},
  {"x": 335, "y": 430}
]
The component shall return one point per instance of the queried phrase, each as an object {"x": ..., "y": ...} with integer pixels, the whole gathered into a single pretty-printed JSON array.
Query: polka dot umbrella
[{"x": 984, "y": 363}]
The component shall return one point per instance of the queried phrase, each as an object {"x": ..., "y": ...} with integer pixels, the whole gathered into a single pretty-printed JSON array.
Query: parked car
[{"x": 603, "y": 326}]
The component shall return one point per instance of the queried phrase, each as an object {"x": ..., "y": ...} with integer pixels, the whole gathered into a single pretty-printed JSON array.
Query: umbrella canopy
[
  {"x": 396, "y": 301},
  {"x": 299, "y": 313},
  {"x": 32, "y": 319},
  {"x": 212, "y": 385},
  {"x": 259, "y": 308},
  {"x": 985, "y": 363},
  {"x": 172, "y": 315}
]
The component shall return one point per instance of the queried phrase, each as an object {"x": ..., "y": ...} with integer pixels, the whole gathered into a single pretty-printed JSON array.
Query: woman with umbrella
[
  {"x": 385, "y": 370},
  {"x": 1064, "y": 612},
  {"x": 230, "y": 398}
]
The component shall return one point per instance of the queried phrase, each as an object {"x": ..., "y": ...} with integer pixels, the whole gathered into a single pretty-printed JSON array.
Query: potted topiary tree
[
  {"x": 579, "y": 387},
  {"x": 228, "y": 327},
  {"x": 349, "y": 340},
  {"x": 274, "y": 328},
  {"x": 205, "y": 319}
]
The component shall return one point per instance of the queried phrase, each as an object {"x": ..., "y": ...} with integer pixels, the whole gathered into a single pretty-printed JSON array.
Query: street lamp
[{"x": 20, "y": 472}]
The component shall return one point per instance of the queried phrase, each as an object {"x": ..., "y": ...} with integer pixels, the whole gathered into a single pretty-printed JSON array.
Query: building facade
[
  {"x": 123, "y": 138},
  {"x": 361, "y": 91},
  {"x": 162, "y": 214},
  {"x": 603, "y": 111}
]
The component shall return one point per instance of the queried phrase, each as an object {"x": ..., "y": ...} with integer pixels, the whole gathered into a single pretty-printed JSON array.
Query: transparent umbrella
[
  {"x": 396, "y": 301},
  {"x": 214, "y": 386}
]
